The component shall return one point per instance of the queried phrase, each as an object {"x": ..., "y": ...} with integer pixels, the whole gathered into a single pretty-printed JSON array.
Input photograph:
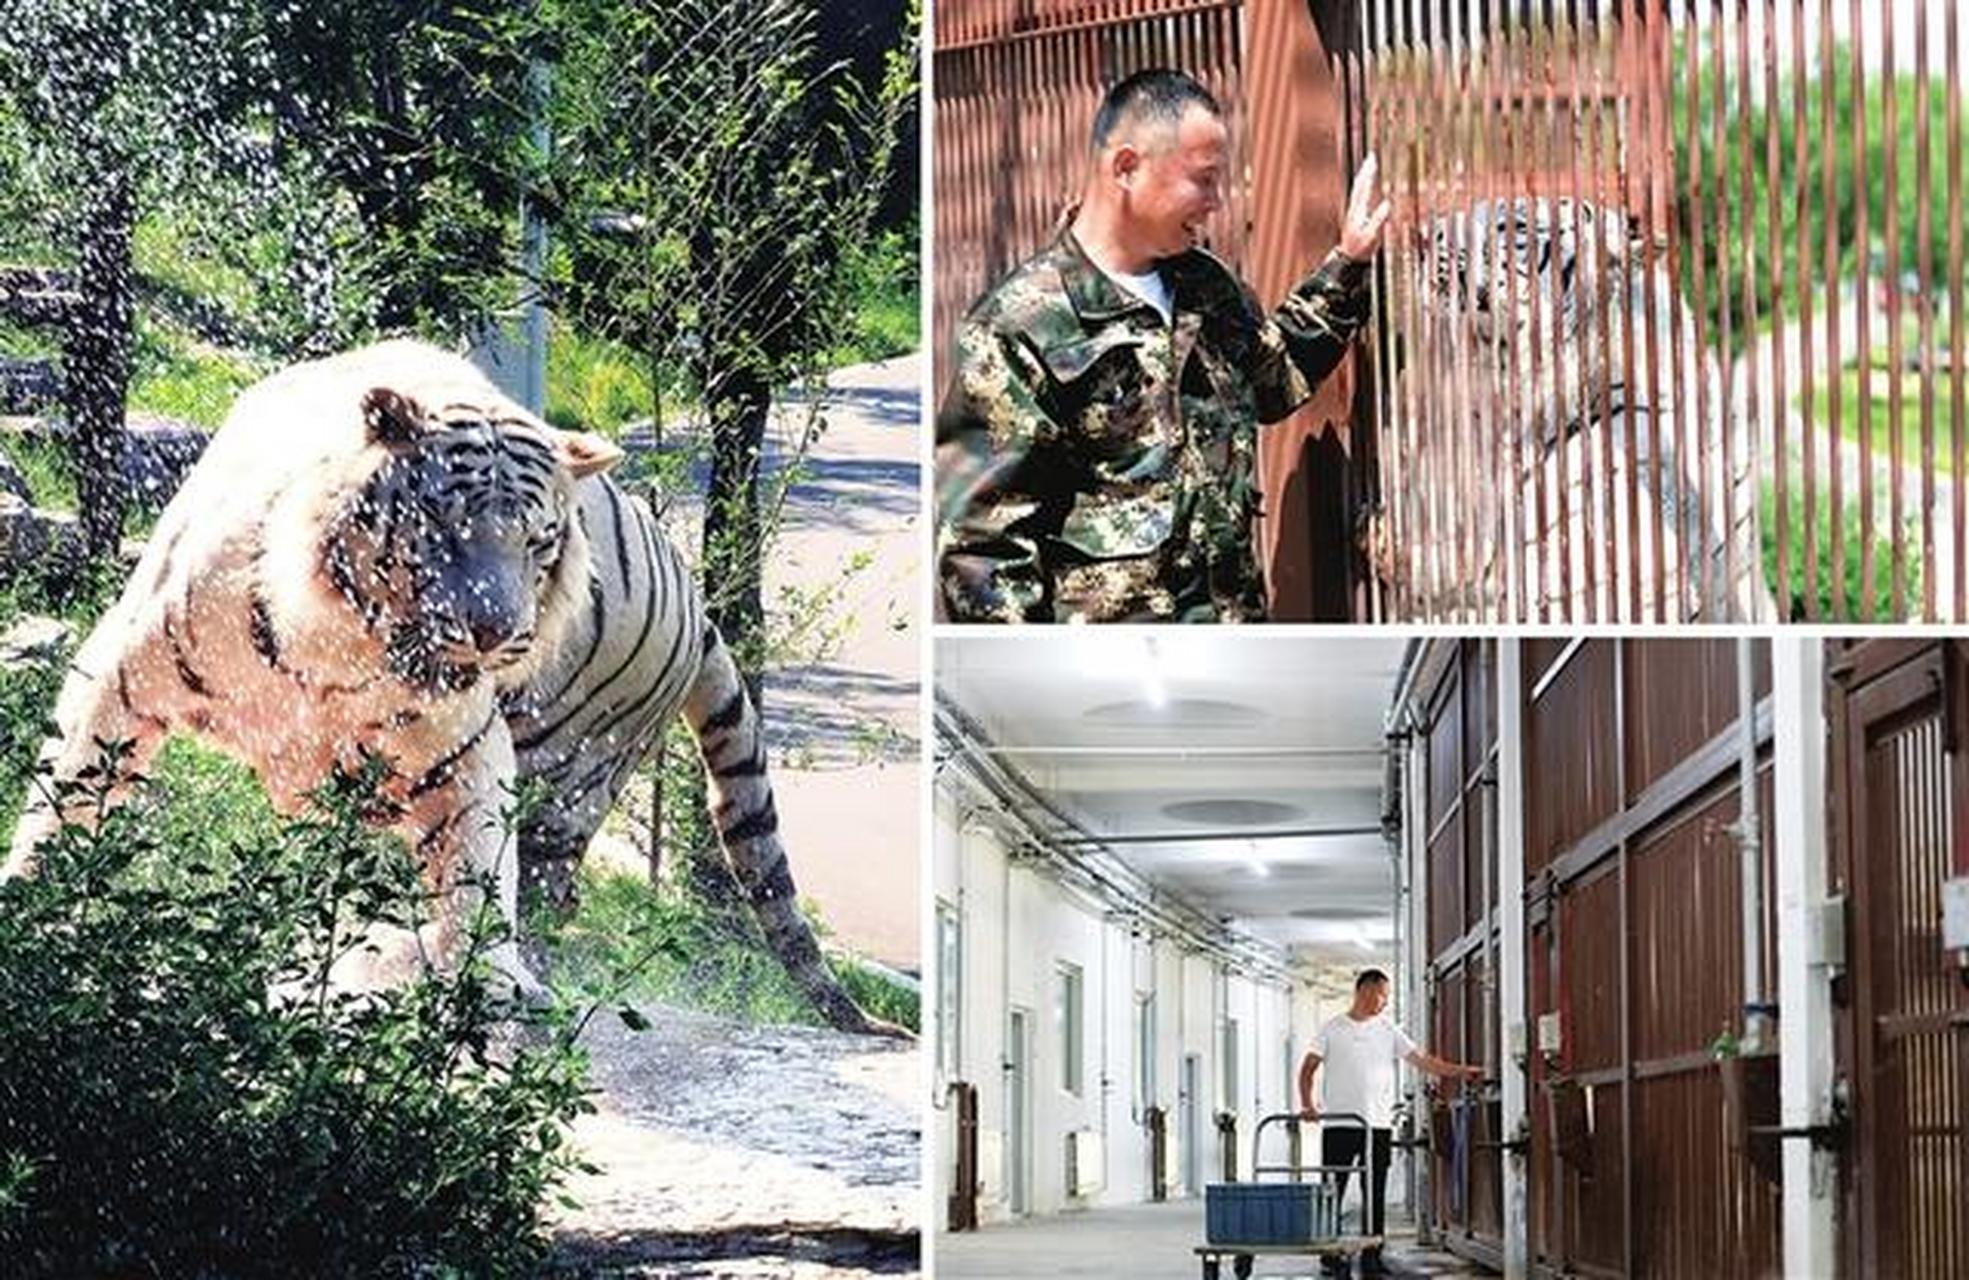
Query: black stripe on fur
[
  {"x": 760, "y": 823},
  {"x": 440, "y": 773}
]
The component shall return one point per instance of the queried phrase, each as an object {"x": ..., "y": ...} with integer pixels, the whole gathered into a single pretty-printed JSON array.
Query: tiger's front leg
[
  {"x": 455, "y": 830},
  {"x": 106, "y": 698}
]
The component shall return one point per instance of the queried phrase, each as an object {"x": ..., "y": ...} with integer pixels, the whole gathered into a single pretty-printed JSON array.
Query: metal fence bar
[
  {"x": 1653, "y": 234},
  {"x": 1828, "y": 154},
  {"x": 1801, "y": 177},
  {"x": 1773, "y": 185},
  {"x": 1863, "y": 239},
  {"x": 1958, "y": 367},
  {"x": 1896, "y": 437},
  {"x": 1924, "y": 183},
  {"x": 1549, "y": 305},
  {"x": 1743, "y": 457},
  {"x": 1745, "y": 236}
]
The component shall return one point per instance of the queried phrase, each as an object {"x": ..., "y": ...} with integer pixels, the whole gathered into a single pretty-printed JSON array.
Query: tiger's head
[
  {"x": 462, "y": 550},
  {"x": 1512, "y": 269}
]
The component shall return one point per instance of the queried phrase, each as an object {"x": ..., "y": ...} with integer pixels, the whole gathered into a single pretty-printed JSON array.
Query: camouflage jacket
[{"x": 1097, "y": 464}]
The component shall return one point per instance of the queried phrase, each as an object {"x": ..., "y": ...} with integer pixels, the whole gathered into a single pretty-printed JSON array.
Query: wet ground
[{"x": 727, "y": 1150}]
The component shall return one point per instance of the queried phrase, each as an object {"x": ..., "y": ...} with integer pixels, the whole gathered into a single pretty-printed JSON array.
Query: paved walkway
[
  {"x": 842, "y": 715},
  {"x": 1142, "y": 1242},
  {"x": 846, "y": 726}
]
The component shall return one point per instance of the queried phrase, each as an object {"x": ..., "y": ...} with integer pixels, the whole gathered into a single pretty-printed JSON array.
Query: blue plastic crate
[{"x": 1285, "y": 1213}]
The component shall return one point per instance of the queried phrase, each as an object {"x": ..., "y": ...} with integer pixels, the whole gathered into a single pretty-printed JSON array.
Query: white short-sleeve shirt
[
  {"x": 1358, "y": 1061},
  {"x": 1151, "y": 288}
]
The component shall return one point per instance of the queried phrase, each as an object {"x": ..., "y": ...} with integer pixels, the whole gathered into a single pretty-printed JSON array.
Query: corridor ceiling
[{"x": 1223, "y": 743}]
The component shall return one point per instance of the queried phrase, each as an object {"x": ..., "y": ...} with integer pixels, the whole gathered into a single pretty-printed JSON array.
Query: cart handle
[{"x": 1294, "y": 1117}]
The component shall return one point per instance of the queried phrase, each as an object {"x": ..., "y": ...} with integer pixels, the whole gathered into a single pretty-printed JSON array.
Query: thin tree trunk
[
  {"x": 738, "y": 403},
  {"x": 96, "y": 360}
]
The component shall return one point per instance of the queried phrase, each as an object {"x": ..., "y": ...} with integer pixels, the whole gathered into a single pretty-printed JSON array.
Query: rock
[
  {"x": 28, "y": 385},
  {"x": 33, "y": 639},
  {"x": 41, "y": 296},
  {"x": 158, "y": 452},
  {"x": 12, "y": 481},
  {"x": 33, "y": 541},
  {"x": 761, "y": 1151}
]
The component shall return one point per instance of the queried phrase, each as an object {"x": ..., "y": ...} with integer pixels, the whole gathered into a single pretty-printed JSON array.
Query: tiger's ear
[
  {"x": 390, "y": 417},
  {"x": 584, "y": 453}
]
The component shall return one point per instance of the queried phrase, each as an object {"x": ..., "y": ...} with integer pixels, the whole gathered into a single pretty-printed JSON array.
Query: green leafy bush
[{"x": 163, "y": 1112}]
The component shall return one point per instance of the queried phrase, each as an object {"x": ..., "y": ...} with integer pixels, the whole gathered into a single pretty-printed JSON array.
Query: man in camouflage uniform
[{"x": 1096, "y": 450}]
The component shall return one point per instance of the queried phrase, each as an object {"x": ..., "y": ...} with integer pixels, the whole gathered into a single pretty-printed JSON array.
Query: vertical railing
[{"x": 1672, "y": 311}]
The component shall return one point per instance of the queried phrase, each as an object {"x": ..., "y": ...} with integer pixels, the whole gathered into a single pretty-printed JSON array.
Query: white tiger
[
  {"x": 381, "y": 553},
  {"x": 1513, "y": 277}
]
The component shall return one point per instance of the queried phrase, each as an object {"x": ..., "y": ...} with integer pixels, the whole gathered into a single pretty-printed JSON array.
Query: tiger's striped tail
[{"x": 732, "y": 741}]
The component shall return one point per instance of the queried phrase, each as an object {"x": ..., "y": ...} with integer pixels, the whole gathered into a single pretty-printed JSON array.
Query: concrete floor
[{"x": 1142, "y": 1242}]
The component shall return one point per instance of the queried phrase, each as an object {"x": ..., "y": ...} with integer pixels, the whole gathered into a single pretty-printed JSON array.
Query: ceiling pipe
[
  {"x": 1013, "y": 799},
  {"x": 1189, "y": 753},
  {"x": 1213, "y": 837}
]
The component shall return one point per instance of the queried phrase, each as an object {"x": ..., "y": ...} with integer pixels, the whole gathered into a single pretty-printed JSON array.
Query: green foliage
[
  {"x": 737, "y": 250},
  {"x": 46, "y": 468},
  {"x": 882, "y": 279},
  {"x": 1882, "y": 419},
  {"x": 1724, "y": 179},
  {"x": 666, "y": 945},
  {"x": 1792, "y": 595},
  {"x": 594, "y": 384},
  {"x": 180, "y": 378},
  {"x": 27, "y": 703},
  {"x": 167, "y": 1115}
]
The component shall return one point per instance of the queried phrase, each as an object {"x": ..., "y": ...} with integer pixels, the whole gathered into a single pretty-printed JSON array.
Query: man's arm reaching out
[{"x": 1423, "y": 1060}]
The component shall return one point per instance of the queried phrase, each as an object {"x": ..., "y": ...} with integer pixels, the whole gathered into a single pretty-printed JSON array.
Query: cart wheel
[
  {"x": 1241, "y": 1266},
  {"x": 1210, "y": 1266}
]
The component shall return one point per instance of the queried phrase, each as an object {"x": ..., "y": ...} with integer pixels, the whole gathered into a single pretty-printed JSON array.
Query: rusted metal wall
[
  {"x": 1633, "y": 936},
  {"x": 1632, "y": 900},
  {"x": 1466, "y": 1167},
  {"x": 1902, "y": 1021},
  {"x": 1015, "y": 86},
  {"x": 1716, "y": 369}
]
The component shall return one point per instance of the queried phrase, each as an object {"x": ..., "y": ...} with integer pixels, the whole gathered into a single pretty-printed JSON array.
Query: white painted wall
[{"x": 1018, "y": 927}]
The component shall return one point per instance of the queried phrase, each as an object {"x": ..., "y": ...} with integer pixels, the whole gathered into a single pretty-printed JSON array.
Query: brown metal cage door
[{"x": 1904, "y": 1024}]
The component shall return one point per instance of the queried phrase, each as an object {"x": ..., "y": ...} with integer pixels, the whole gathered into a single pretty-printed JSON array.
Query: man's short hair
[
  {"x": 1368, "y": 977},
  {"x": 1160, "y": 95}
]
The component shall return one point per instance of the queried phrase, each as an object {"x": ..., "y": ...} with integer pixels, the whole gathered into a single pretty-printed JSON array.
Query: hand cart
[{"x": 1244, "y": 1221}]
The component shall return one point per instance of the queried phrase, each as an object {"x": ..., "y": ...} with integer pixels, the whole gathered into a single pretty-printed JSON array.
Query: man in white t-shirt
[{"x": 1360, "y": 1050}]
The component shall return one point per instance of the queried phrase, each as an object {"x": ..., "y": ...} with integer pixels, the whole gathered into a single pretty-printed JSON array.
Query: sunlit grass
[
  {"x": 1882, "y": 421},
  {"x": 711, "y": 963}
]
